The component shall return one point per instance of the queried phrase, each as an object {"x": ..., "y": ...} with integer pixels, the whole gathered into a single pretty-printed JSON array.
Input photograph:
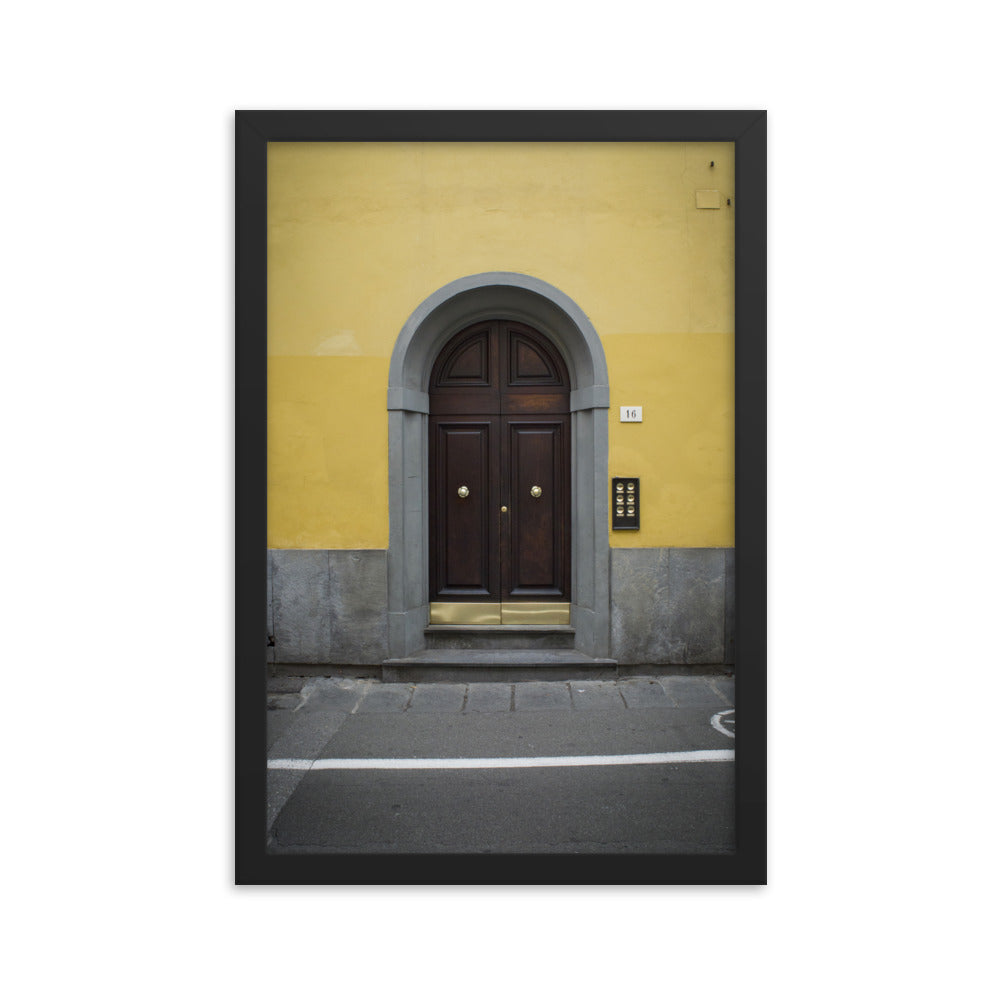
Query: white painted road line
[
  {"x": 717, "y": 723},
  {"x": 465, "y": 763}
]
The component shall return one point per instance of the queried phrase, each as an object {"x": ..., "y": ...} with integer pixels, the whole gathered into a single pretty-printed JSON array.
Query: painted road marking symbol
[
  {"x": 725, "y": 722},
  {"x": 449, "y": 763}
]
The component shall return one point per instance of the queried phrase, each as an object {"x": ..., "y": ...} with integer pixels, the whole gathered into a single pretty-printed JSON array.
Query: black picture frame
[{"x": 254, "y": 130}]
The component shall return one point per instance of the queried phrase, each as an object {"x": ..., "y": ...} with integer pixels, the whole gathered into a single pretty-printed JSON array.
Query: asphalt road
[{"x": 662, "y": 808}]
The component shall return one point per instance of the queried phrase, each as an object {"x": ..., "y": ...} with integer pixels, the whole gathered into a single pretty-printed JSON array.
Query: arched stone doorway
[{"x": 436, "y": 320}]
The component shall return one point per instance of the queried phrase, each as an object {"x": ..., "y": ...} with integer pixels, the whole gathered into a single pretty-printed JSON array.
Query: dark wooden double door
[{"x": 499, "y": 468}]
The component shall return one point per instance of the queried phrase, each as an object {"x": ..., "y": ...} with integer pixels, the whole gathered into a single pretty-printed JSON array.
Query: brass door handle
[
  {"x": 463, "y": 491},
  {"x": 536, "y": 491}
]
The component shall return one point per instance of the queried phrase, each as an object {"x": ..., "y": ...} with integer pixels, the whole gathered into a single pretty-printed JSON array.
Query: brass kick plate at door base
[
  {"x": 464, "y": 613},
  {"x": 507, "y": 613},
  {"x": 534, "y": 613}
]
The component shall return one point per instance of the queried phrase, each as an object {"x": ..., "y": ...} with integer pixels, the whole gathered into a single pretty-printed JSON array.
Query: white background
[{"x": 117, "y": 407}]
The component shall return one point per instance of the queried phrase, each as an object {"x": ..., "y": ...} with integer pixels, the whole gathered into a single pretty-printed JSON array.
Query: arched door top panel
[{"x": 499, "y": 366}]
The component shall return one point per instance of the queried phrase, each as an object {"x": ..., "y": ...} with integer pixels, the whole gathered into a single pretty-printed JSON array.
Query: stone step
[
  {"x": 498, "y": 637},
  {"x": 497, "y": 665}
]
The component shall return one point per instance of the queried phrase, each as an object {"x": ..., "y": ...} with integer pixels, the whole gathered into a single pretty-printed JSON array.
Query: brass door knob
[
  {"x": 503, "y": 510},
  {"x": 536, "y": 491},
  {"x": 463, "y": 491}
]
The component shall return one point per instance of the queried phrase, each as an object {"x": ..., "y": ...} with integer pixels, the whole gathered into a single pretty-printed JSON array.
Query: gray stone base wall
[
  {"x": 327, "y": 606},
  {"x": 668, "y": 606},
  {"x": 672, "y": 606}
]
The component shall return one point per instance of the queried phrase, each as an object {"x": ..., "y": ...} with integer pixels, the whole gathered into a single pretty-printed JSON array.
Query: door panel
[
  {"x": 464, "y": 543},
  {"x": 538, "y": 535},
  {"x": 499, "y": 425},
  {"x": 530, "y": 363}
]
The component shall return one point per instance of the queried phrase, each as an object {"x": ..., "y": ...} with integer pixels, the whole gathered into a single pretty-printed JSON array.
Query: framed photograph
[{"x": 500, "y": 497}]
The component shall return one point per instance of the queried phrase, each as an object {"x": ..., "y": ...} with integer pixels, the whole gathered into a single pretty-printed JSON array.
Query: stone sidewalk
[{"x": 295, "y": 694}]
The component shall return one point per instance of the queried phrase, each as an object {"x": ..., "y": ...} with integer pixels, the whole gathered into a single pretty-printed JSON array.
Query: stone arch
[{"x": 503, "y": 295}]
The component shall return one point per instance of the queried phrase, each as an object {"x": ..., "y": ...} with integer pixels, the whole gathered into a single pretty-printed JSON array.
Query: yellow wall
[{"x": 359, "y": 234}]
